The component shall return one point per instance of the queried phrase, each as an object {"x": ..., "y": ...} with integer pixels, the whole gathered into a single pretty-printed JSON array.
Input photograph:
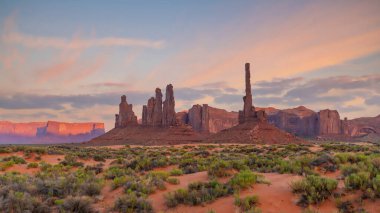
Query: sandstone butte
[{"x": 48, "y": 132}]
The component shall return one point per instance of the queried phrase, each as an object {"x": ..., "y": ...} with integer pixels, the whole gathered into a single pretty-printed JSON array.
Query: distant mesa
[{"x": 48, "y": 132}]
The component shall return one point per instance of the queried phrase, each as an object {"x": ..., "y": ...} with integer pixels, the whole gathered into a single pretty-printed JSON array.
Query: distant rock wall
[{"x": 48, "y": 132}]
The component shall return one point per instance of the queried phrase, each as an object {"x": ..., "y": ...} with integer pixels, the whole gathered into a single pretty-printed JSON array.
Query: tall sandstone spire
[
  {"x": 157, "y": 111},
  {"x": 248, "y": 113},
  {"x": 126, "y": 116},
  {"x": 168, "y": 113}
]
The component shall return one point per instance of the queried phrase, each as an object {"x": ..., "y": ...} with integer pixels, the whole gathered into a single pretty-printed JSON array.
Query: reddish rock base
[
  {"x": 254, "y": 133},
  {"x": 141, "y": 135}
]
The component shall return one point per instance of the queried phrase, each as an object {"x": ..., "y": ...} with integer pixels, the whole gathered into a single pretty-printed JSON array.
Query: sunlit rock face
[
  {"x": 48, "y": 132},
  {"x": 207, "y": 119}
]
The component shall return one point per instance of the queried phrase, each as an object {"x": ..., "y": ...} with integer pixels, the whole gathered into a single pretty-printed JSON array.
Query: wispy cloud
[{"x": 12, "y": 36}]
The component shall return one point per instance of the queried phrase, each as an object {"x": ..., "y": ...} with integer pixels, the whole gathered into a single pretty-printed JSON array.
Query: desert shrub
[
  {"x": 158, "y": 174},
  {"x": 248, "y": 203},
  {"x": 132, "y": 203},
  {"x": 192, "y": 165},
  {"x": 243, "y": 179},
  {"x": 91, "y": 187},
  {"x": 71, "y": 160},
  {"x": 176, "y": 172},
  {"x": 14, "y": 159},
  {"x": 348, "y": 169},
  {"x": 360, "y": 180},
  {"x": 118, "y": 181},
  {"x": 198, "y": 193},
  {"x": 99, "y": 158},
  {"x": 218, "y": 168},
  {"x": 32, "y": 165},
  {"x": 345, "y": 207},
  {"x": 376, "y": 185},
  {"x": 313, "y": 189},
  {"x": 173, "y": 181},
  {"x": 97, "y": 169},
  {"x": 114, "y": 172},
  {"x": 5, "y": 165},
  {"x": 81, "y": 204}
]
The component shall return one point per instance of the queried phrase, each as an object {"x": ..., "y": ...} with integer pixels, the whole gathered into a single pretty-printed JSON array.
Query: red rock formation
[
  {"x": 126, "y": 115},
  {"x": 182, "y": 118},
  {"x": 195, "y": 117},
  {"x": 21, "y": 129},
  {"x": 299, "y": 121},
  {"x": 48, "y": 132},
  {"x": 157, "y": 111},
  {"x": 208, "y": 119},
  {"x": 168, "y": 113},
  {"x": 329, "y": 122},
  {"x": 66, "y": 129},
  {"x": 249, "y": 113}
]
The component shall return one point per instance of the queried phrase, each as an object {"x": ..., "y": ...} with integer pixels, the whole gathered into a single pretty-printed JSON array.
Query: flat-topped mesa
[
  {"x": 168, "y": 114},
  {"x": 249, "y": 114},
  {"x": 126, "y": 116}
]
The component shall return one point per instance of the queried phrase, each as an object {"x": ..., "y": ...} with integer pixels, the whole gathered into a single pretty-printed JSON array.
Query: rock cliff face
[
  {"x": 299, "y": 121},
  {"x": 329, "y": 122},
  {"x": 48, "y": 132},
  {"x": 207, "y": 119},
  {"x": 126, "y": 116}
]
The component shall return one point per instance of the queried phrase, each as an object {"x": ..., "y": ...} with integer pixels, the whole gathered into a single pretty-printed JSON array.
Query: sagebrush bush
[
  {"x": 360, "y": 180},
  {"x": 313, "y": 189},
  {"x": 248, "y": 203},
  {"x": 132, "y": 203},
  {"x": 243, "y": 179},
  {"x": 81, "y": 204},
  {"x": 173, "y": 181},
  {"x": 219, "y": 168},
  {"x": 32, "y": 165},
  {"x": 198, "y": 193},
  {"x": 176, "y": 172}
]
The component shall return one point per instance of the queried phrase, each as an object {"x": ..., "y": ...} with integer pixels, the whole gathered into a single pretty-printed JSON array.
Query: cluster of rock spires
[
  {"x": 155, "y": 114},
  {"x": 249, "y": 125}
]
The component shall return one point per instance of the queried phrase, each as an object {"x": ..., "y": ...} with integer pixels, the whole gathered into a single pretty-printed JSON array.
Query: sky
[{"x": 72, "y": 60}]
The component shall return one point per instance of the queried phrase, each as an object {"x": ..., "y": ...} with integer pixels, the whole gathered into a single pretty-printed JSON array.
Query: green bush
[
  {"x": 248, "y": 203},
  {"x": 118, "y": 181},
  {"x": 198, "y": 193},
  {"x": 32, "y": 165},
  {"x": 219, "y": 168},
  {"x": 243, "y": 179},
  {"x": 176, "y": 172},
  {"x": 14, "y": 159},
  {"x": 173, "y": 181},
  {"x": 360, "y": 180},
  {"x": 77, "y": 204},
  {"x": 313, "y": 189},
  {"x": 132, "y": 203}
]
